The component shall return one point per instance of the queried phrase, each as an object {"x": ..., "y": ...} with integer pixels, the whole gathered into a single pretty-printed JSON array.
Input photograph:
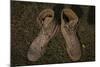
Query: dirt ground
[{"x": 24, "y": 29}]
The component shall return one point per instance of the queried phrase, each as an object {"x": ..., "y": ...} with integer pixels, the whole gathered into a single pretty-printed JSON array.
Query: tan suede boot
[
  {"x": 69, "y": 22},
  {"x": 37, "y": 48}
]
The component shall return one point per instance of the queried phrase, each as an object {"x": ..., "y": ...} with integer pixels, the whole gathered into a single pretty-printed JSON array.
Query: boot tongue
[{"x": 47, "y": 21}]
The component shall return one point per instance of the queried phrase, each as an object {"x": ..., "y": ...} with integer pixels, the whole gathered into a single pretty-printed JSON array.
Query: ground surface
[{"x": 24, "y": 29}]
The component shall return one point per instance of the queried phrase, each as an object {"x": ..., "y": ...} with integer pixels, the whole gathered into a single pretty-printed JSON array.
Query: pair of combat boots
[{"x": 69, "y": 23}]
